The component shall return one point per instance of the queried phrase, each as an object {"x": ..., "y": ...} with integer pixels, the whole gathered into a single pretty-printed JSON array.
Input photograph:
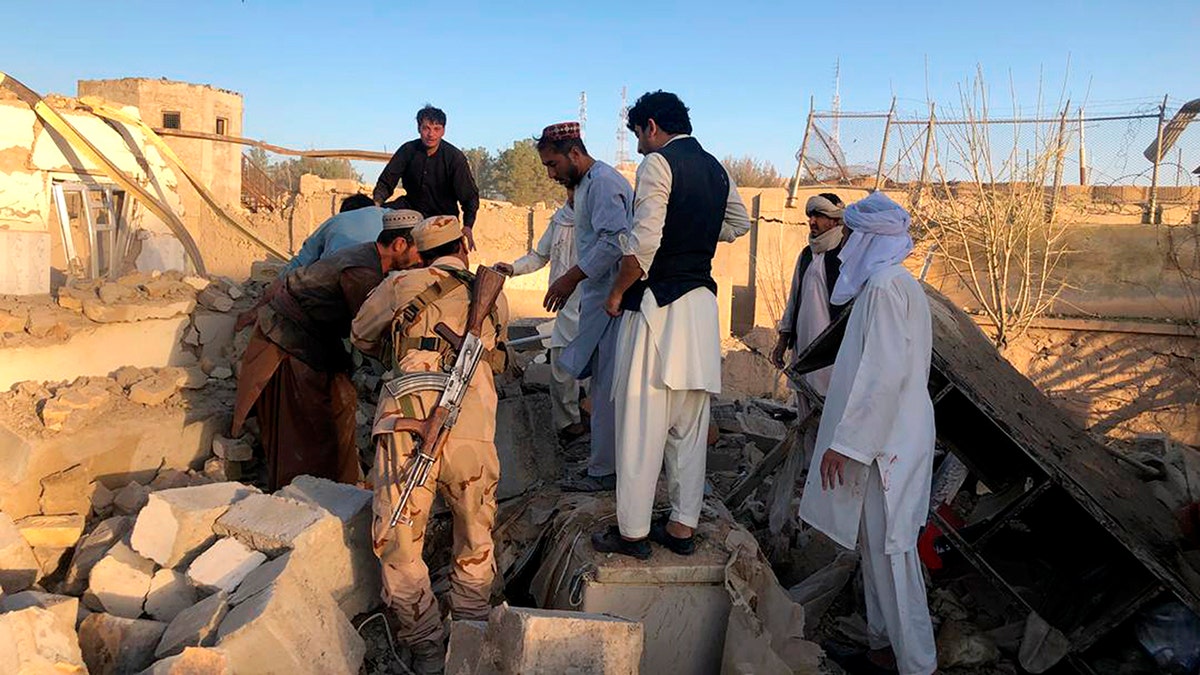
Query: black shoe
[
  {"x": 611, "y": 541},
  {"x": 677, "y": 545}
]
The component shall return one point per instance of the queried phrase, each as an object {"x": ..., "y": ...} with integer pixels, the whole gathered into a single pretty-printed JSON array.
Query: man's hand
[
  {"x": 504, "y": 268},
  {"x": 833, "y": 465},
  {"x": 562, "y": 288},
  {"x": 781, "y": 348},
  {"x": 470, "y": 238},
  {"x": 613, "y": 304}
]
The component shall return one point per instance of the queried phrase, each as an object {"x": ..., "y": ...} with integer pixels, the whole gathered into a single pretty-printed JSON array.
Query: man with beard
[{"x": 603, "y": 213}]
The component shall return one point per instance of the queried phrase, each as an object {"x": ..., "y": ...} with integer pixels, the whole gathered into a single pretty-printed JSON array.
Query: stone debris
[
  {"x": 91, "y": 549},
  {"x": 102, "y": 498},
  {"x": 465, "y": 647},
  {"x": 35, "y": 642},
  {"x": 155, "y": 390},
  {"x": 289, "y": 627},
  {"x": 50, "y": 559},
  {"x": 536, "y": 378},
  {"x": 69, "y": 406},
  {"x": 198, "y": 283},
  {"x": 222, "y": 470},
  {"x": 522, "y": 640},
  {"x": 221, "y": 373},
  {"x": 127, "y": 376},
  {"x": 64, "y": 607},
  {"x": 114, "y": 645},
  {"x": 121, "y": 580},
  {"x": 274, "y": 525},
  {"x": 68, "y": 491},
  {"x": 959, "y": 644},
  {"x": 223, "y": 566},
  {"x": 193, "y": 661},
  {"x": 196, "y": 626},
  {"x": 177, "y": 524},
  {"x": 142, "y": 310},
  {"x": 232, "y": 449},
  {"x": 170, "y": 479},
  {"x": 47, "y": 323},
  {"x": 761, "y": 430},
  {"x": 131, "y": 499},
  {"x": 170, "y": 593},
  {"x": 196, "y": 378},
  {"x": 214, "y": 298},
  {"x": 56, "y": 532},
  {"x": 12, "y": 323},
  {"x": 18, "y": 566}
]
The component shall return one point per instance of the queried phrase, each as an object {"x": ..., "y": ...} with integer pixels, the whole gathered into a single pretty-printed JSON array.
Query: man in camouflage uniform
[{"x": 406, "y": 308}]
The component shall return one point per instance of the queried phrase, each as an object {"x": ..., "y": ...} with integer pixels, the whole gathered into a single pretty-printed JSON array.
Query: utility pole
[
  {"x": 622, "y": 132},
  {"x": 837, "y": 99}
]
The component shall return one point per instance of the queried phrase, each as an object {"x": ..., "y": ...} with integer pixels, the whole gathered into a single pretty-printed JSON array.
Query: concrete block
[
  {"x": 169, "y": 479},
  {"x": 198, "y": 283},
  {"x": 67, "y": 491},
  {"x": 35, "y": 642},
  {"x": 51, "y": 531},
  {"x": 526, "y": 444},
  {"x": 121, "y": 580},
  {"x": 24, "y": 262},
  {"x": 523, "y": 640},
  {"x": 289, "y": 627},
  {"x": 114, "y": 645},
  {"x": 75, "y": 402},
  {"x": 170, "y": 593},
  {"x": 465, "y": 648},
  {"x": 232, "y": 449},
  {"x": 91, "y": 549},
  {"x": 193, "y": 661},
  {"x": 50, "y": 559},
  {"x": 99, "y": 312},
  {"x": 195, "y": 626},
  {"x": 19, "y": 568},
  {"x": 215, "y": 332},
  {"x": 155, "y": 390},
  {"x": 131, "y": 499},
  {"x": 763, "y": 431},
  {"x": 175, "y": 525},
  {"x": 65, "y": 607},
  {"x": 223, "y": 566},
  {"x": 214, "y": 298},
  {"x": 271, "y": 524},
  {"x": 222, "y": 470},
  {"x": 347, "y": 502}
]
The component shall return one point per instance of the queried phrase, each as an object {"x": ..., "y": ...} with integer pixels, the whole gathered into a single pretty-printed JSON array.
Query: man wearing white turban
[{"x": 869, "y": 481}]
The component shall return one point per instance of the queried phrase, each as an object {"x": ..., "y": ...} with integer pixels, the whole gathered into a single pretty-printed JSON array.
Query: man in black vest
[
  {"x": 668, "y": 358},
  {"x": 808, "y": 309}
]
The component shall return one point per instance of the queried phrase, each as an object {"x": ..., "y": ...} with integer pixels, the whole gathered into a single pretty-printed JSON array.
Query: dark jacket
[{"x": 434, "y": 185}]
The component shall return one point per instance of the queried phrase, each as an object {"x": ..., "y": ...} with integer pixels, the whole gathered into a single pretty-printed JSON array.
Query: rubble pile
[{"x": 195, "y": 576}]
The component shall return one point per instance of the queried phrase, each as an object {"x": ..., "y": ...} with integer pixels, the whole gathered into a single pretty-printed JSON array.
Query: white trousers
[
  {"x": 564, "y": 393},
  {"x": 655, "y": 426},
  {"x": 897, "y": 609}
]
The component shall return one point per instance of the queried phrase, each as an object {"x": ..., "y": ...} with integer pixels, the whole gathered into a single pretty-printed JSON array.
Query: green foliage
[
  {"x": 521, "y": 178},
  {"x": 749, "y": 172},
  {"x": 483, "y": 168},
  {"x": 286, "y": 173}
]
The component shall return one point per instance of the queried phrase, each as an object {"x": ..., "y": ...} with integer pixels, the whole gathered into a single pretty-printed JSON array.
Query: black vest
[
  {"x": 833, "y": 268},
  {"x": 695, "y": 213}
]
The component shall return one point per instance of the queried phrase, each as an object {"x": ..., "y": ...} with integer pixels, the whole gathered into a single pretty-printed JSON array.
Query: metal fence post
[
  {"x": 1059, "y": 154},
  {"x": 1083, "y": 177},
  {"x": 1162, "y": 118},
  {"x": 791, "y": 198},
  {"x": 925, "y": 154},
  {"x": 883, "y": 146}
]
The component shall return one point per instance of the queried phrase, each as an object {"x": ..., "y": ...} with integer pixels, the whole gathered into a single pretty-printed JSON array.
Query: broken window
[
  {"x": 222, "y": 126},
  {"x": 171, "y": 120},
  {"x": 92, "y": 218}
]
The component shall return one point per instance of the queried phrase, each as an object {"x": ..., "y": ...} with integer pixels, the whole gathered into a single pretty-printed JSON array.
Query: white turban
[
  {"x": 822, "y": 205},
  {"x": 878, "y": 238}
]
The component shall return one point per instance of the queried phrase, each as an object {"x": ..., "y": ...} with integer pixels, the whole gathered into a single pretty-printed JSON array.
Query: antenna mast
[
  {"x": 582, "y": 114},
  {"x": 622, "y": 132},
  {"x": 837, "y": 98}
]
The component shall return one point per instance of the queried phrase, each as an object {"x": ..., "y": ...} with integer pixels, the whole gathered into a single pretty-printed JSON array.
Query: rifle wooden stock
[{"x": 488, "y": 284}]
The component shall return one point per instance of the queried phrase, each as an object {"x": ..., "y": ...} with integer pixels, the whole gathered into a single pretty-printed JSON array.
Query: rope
[{"x": 391, "y": 645}]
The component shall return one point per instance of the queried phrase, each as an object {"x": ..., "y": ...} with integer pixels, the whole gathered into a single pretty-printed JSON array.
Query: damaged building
[{"x": 135, "y": 536}]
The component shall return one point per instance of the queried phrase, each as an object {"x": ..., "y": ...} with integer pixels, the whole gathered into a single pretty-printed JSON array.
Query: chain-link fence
[{"x": 892, "y": 149}]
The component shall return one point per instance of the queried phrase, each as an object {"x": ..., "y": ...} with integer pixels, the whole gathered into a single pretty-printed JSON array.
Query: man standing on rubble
[
  {"x": 557, "y": 247},
  {"x": 356, "y": 223},
  {"x": 435, "y": 175},
  {"x": 603, "y": 209},
  {"x": 294, "y": 372},
  {"x": 407, "y": 307},
  {"x": 869, "y": 483},
  {"x": 669, "y": 350},
  {"x": 808, "y": 310}
]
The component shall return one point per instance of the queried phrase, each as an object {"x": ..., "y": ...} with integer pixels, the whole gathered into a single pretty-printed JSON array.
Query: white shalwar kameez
[
  {"x": 879, "y": 414},
  {"x": 557, "y": 247},
  {"x": 668, "y": 362}
]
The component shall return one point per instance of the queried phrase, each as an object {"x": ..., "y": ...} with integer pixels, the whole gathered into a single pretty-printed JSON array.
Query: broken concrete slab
[
  {"x": 526, "y": 444},
  {"x": 536, "y": 378},
  {"x": 114, "y": 645},
  {"x": 289, "y": 627},
  {"x": 523, "y": 640},
  {"x": 91, "y": 549},
  {"x": 347, "y": 502},
  {"x": 130, "y": 499},
  {"x": 155, "y": 390},
  {"x": 214, "y": 298},
  {"x": 127, "y": 376},
  {"x": 170, "y": 479},
  {"x": 193, "y": 661},
  {"x": 196, "y": 626},
  {"x": 177, "y": 524},
  {"x": 271, "y": 524},
  {"x": 223, "y": 566},
  {"x": 35, "y": 642},
  {"x": 98, "y": 311},
  {"x": 102, "y": 498},
  {"x": 69, "y": 407},
  {"x": 65, "y": 607},
  {"x": 465, "y": 647},
  {"x": 19, "y": 568},
  {"x": 121, "y": 580},
  {"x": 67, "y": 491},
  {"x": 232, "y": 449},
  {"x": 222, "y": 470},
  {"x": 170, "y": 593},
  {"x": 763, "y": 431},
  {"x": 51, "y": 531},
  {"x": 50, "y": 559}
]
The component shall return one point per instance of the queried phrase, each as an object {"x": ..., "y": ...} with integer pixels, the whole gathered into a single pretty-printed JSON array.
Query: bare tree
[{"x": 993, "y": 214}]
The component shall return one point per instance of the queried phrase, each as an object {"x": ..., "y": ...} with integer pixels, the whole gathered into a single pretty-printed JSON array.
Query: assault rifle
[{"x": 430, "y": 434}]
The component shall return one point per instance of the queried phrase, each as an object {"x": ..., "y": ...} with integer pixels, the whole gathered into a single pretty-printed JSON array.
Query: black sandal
[{"x": 611, "y": 541}]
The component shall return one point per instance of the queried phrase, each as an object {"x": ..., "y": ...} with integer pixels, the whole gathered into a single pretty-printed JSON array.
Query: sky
[{"x": 352, "y": 74}]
